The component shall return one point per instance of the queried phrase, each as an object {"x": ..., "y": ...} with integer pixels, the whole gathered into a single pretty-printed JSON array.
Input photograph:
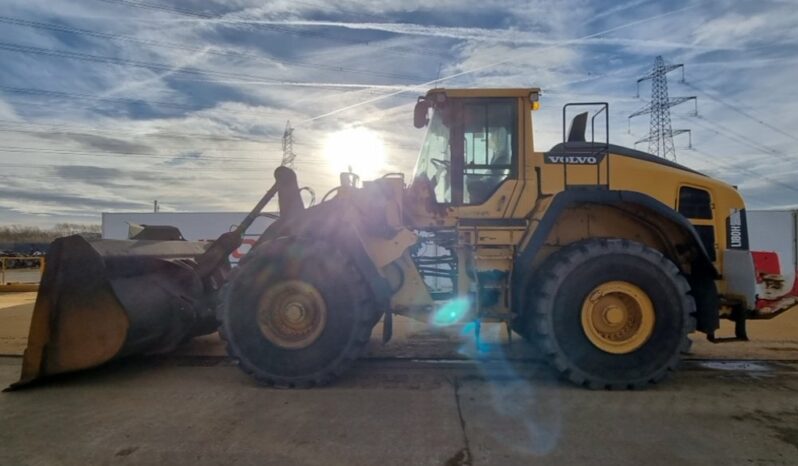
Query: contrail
[
  {"x": 157, "y": 78},
  {"x": 615, "y": 9},
  {"x": 383, "y": 87},
  {"x": 494, "y": 64},
  {"x": 458, "y": 33}
]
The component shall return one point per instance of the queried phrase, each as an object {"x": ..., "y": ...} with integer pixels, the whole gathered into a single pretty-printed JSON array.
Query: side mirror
[{"x": 421, "y": 113}]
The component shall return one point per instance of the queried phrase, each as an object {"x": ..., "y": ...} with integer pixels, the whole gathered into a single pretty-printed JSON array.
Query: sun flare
[{"x": 359, "y": 148}]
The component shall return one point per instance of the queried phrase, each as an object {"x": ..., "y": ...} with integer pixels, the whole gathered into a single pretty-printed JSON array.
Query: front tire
[
  {"x": 611, "y": 314},
  {"x": 296, "y": 314}
]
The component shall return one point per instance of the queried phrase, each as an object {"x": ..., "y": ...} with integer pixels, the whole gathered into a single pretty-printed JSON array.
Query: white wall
[
  {"x": 774, "y": 230},
  {"x": 768, "y": 230},
  {"x": 195, "y": 226}
]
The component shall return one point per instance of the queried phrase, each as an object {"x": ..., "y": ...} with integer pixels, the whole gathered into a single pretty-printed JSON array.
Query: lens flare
[
  {"x": 451, "y": 313},
  {"x": 520, "y": 400}
]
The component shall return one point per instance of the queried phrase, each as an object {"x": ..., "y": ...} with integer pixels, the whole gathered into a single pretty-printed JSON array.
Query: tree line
[{"x": 27, "y": 234}]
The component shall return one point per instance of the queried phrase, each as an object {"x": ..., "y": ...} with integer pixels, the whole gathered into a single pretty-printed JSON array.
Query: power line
[
  {"x": 116, "y": 100},
  {"x": 67, "y": 132},
  {"x": 86, "y": 130},
  {"x": 498, "y": 63},
  {"x": 181, "y": 150},
  {"x": 438, "y": 79},
  {"x": 21, "y": 48},
  {"x": 204, "y": 180},
  {"x": 360, "y": 14},
  {"x": 737, "y": 137},
  {"x": 208, "y": 16},
  {"x": 308, "y": 166},
  {"x": 742, "y": 112},
  {"x": 154, "y": 6},
  {"x": 26, "y": 49},
  {"x": 191, "y": 71},
  {"x": 57, "y": 128},
  {"x": 713, "y": 160},
  {"x": 203, "y": 50},
  {"x": 156, "y": 169},
  {"x": 75, "y": 95},
  {"x": 126, "y": 155}
]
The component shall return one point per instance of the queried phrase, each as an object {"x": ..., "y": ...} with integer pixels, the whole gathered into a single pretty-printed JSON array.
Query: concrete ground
[{"x": 426, "y": 398}]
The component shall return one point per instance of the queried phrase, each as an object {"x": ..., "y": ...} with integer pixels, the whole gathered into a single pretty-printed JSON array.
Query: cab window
[
  {"x": 489, "y": 147},
  {"x": 435, "y": 159}
]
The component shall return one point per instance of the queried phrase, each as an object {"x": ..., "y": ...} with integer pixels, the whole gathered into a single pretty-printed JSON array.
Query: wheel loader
[{"x": 602, "y": 257}]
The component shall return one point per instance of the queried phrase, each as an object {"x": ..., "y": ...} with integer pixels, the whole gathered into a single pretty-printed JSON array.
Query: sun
[{"x": 358, "y": 148}]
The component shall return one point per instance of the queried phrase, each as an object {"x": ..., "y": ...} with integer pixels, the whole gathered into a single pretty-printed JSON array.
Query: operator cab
[{"x": 472, "y": 143}]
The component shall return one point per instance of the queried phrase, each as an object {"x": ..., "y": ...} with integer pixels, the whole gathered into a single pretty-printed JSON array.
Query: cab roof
[{"x": 486, "y": 92}]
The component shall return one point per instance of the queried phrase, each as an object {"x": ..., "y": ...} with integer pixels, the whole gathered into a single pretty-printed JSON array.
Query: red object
[
  {"x": 246, "y": 245},
  {"x": 765, "y": 262}
]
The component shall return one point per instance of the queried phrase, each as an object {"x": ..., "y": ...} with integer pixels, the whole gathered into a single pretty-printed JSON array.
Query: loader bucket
[{"x": 106, "y": 299}]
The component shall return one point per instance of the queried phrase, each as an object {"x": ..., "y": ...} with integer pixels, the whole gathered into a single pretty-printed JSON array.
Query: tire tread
[
  {"x": 562, "y": 263},
  {"x": 352, "y": 351}
]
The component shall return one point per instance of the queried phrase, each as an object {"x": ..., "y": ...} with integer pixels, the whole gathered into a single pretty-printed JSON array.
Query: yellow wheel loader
[{"x": 602, "y": 257}]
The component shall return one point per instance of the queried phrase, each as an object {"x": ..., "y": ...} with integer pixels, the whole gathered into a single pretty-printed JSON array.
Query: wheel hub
[
  {"x": 292, "y": 314},
  {"x": 617, "y": 317},
  {"x": 614, "y": 315}
]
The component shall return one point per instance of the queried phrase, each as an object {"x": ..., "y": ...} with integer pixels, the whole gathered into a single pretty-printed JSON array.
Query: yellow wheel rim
[
  {"x": 292, "y": 314},
  {"x": 617, "y": 317}
]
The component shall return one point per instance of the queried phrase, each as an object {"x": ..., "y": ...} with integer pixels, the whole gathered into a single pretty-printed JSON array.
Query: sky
[{"x": 107, "y": 105}]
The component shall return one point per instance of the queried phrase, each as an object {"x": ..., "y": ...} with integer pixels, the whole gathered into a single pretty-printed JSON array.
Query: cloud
[
  {"x": 737, "y": 28},
  {"x": 87, "y": 172},
  {"x": 102, "y": 143},
  {"x": 184, "y": 159},
  {"x": 328, "y": 66},
  {"x": 74, "y": 202},
  {"x": 481, "y": 35},
  {"x": 602, "y": 13},
  {"x": 7, "y": 112}
]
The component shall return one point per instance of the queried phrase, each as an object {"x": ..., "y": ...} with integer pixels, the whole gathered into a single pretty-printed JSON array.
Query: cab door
[{"x": 485, "y": 146}]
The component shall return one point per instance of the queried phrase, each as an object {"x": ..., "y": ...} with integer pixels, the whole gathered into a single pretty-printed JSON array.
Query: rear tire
[
  {"x": 611, "y": 314},
  {"x": 319, "y": 278}
]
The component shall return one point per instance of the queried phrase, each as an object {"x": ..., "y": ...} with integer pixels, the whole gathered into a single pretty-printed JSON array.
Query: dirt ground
[
  {"x": 15, "y": 313},
  {"x": 775, "y": 339},
  {"x": 429, "y": 397}
]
